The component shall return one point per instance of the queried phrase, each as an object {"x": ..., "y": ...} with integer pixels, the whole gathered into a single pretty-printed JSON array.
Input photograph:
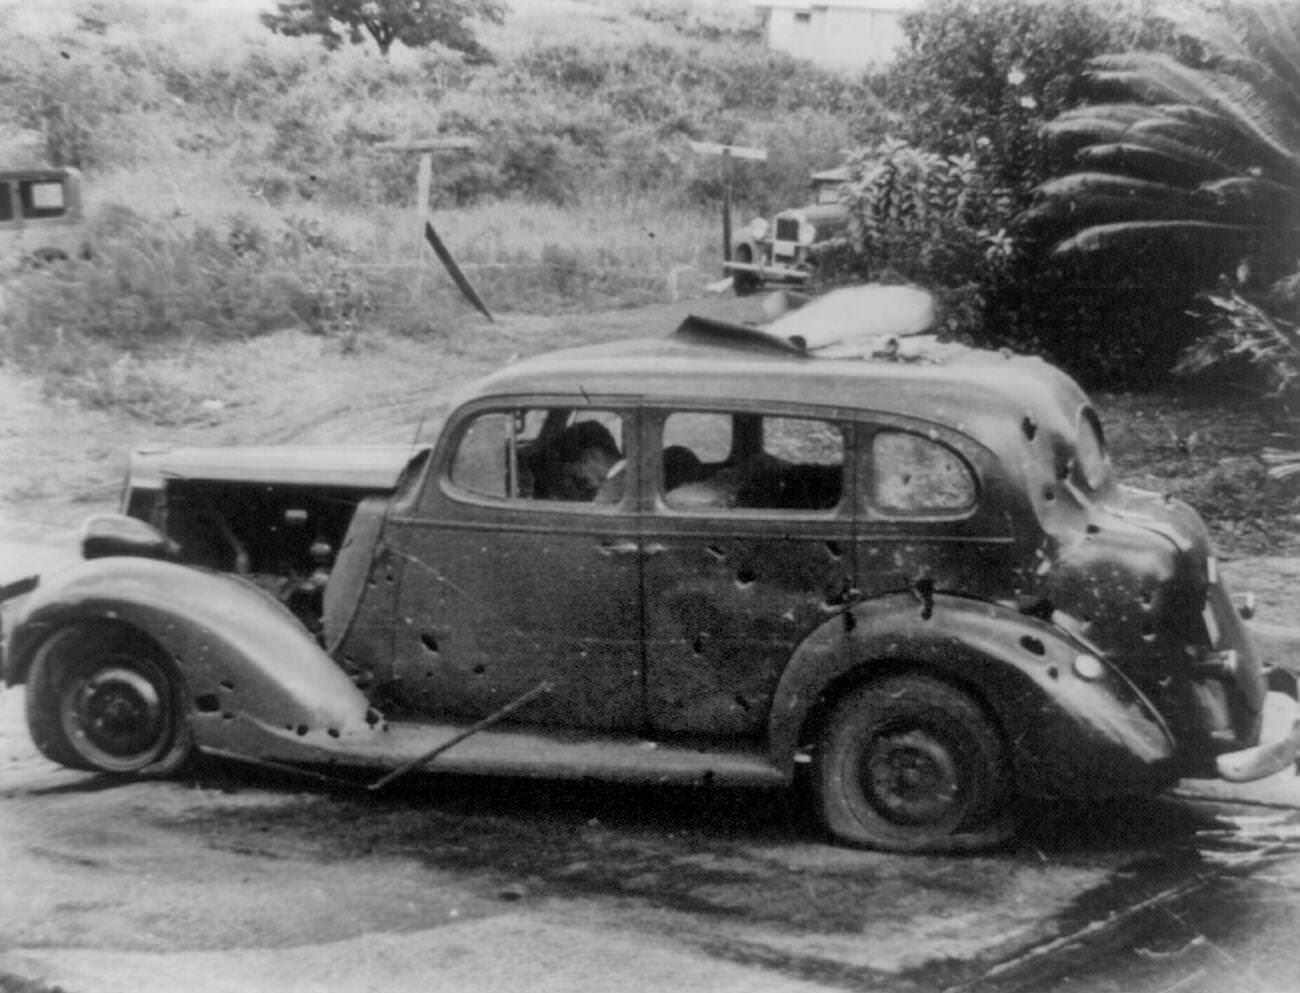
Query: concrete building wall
[{"x": 842, "y": 34}]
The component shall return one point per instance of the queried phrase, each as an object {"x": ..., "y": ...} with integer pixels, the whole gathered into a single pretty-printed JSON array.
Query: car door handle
[{"x": 612, "y": 548}]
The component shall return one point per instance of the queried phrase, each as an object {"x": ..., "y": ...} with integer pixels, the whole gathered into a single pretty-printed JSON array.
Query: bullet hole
[
  {"x": 227, "y": 716},
  {"x": 1033, "y": 645},
  {"x": 227, "y": 685},
  {"x": 741, "y": 702},
  {"x": 207, "y": 703},
  {"x": 1053, "y": 672},
  {"x": 300, "y": 730},
  {"x": 745, "y": 576},
  {"x": 373, "y": 717},
  {"x": 924, "y": 590},
  {"x": 1030, "y": 427},
  {"x": 1036, "y": 606},
  {"x": 429, "y": 642},
  {"x": 850, "y": 622},
  {"x": 716, "y": 551},
  {"x": 697, "y": 646},
  {"x": 332, "y": 732},
  {"x": 834, "y": 549},
  {"x": 1093, "y": 529},
  {"x": 480, "y": 669},
  {"x": 1049, "y": 493}
]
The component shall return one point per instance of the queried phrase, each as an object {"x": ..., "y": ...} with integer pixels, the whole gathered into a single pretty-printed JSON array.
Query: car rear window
[{"x": 912, "y": 474}]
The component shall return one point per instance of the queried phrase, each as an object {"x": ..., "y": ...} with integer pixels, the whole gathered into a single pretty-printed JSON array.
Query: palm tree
[{"x": 1185, "y": 175}]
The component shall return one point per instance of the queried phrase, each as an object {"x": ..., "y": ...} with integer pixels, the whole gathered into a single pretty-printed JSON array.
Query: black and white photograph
[{"x": 649, "y": 496}]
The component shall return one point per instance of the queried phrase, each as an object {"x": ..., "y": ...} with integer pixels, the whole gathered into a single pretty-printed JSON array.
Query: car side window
[
  {"x": 6, "y": 202},
  {"x": 536, "y": 454},
  {"x": 912, "y": 474},
  {"x": 745, "y": 461}
]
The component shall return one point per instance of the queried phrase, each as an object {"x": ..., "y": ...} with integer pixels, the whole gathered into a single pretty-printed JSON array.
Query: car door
[
  {"x": 747, "y": 548},
  {"x": 932, "y": 513},
  {"x": 519, "y": 565}
]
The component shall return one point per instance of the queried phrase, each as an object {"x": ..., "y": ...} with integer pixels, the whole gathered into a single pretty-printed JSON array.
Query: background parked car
[{"x": 784, "y": 251}]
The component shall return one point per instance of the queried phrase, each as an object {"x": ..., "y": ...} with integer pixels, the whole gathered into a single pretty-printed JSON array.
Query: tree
[
  {"x": 1187, "y": 171},
  {"x": 415, "y": 23}
]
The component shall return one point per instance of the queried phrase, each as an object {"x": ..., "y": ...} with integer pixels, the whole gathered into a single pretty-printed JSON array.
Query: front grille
[{"x": 787, "y": 229}]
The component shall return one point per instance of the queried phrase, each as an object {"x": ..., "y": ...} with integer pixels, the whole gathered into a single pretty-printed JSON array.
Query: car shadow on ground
[{"x": 721, "y": 815}]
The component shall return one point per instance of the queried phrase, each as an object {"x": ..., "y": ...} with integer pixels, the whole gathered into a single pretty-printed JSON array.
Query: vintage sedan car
[
  {"x": 785, "y": 250},
  {"x": 731, "y": 555}
]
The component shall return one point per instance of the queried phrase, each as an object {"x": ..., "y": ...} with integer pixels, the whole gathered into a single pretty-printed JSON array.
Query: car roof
[{"x": 707, "y": 362}]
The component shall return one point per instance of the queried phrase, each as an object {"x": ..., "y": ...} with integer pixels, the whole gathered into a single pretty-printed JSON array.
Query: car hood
[{"x": 368, "y": 467}]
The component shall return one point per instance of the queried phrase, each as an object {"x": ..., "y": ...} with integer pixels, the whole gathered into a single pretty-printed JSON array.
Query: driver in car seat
[{"x": 577, "y": 462}]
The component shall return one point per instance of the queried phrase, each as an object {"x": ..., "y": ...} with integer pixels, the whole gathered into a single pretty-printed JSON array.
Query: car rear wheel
[
  {"x": 104, "y": 698},
  {"x": 910, "y": 763}
]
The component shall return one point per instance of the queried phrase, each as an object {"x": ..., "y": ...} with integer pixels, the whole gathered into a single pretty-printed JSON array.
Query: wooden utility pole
[
  {"x": 728, "y": 153},
  {"x": 425, "y": 147}
]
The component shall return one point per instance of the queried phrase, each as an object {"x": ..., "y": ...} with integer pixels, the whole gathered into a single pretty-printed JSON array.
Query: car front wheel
[
  {"x": 909, "y": 763},
  {"x": 103, "y": 698}
]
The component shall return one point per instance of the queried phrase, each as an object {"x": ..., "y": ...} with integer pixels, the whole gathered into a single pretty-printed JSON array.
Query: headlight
[
  {"x": 807, "y": 233},
  {"x": 758, "y": 229}
]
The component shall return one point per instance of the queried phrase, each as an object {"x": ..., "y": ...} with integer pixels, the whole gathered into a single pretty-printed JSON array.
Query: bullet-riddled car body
[{"x": 729, "y": 555}]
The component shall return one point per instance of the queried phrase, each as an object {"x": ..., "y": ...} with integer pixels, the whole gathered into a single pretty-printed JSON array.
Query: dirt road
[{"x": 235, "y": 881}]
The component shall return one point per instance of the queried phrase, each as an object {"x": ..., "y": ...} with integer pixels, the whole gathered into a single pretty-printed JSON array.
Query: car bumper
[
  {"x": 1279, "y": 743},
  {"x": 768, "y": 273}
]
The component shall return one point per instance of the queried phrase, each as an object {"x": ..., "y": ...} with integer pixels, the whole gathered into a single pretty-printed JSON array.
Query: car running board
[{"x": 514, "y": 750}]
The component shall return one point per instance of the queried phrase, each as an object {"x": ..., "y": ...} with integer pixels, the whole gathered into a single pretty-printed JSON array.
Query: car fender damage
[
  {"x": 253, "y": 678},
  {"x": 1075, "y": 730}
]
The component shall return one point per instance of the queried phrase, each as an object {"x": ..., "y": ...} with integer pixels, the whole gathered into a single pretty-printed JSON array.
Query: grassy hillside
[{"x": 237, "y": 181}]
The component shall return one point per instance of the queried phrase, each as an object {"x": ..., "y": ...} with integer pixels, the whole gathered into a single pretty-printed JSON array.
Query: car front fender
[
  {"x": 254, "y": 679},
  {"x": 1070, "y": 730}
]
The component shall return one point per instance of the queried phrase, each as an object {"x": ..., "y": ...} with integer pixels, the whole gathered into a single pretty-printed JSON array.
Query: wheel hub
[
  {"x": 119, "y": 713},
  {"x": 912, "y": 777}
]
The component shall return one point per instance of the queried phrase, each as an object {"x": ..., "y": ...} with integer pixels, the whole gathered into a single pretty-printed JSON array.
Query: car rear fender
[
  {"x": 1071, "y": 729},
  {"x": 250, "y": 670}
]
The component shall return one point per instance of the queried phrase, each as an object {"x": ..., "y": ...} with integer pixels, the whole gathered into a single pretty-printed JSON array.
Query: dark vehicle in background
[
  {"x": 784, "y": 250},
  {"x": 41, "y": 215},
  {"x": 731, "y": 555}
]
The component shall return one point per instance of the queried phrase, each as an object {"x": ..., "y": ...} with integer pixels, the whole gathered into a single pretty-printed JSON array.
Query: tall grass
[{"x": 238, "y": 183}]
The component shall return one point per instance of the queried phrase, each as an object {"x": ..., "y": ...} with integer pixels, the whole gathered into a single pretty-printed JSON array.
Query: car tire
[
  {"x": 103, "y": 698},
  {"x": 909, "y": 763}
]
